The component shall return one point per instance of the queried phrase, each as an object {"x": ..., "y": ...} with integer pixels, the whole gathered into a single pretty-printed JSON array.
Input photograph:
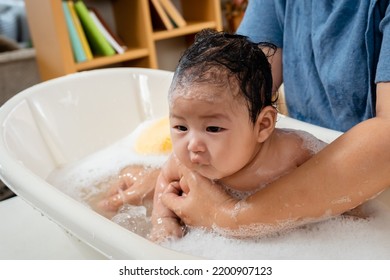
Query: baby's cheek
[
  {"x": 179, "y": 149},
  {"x": 183, "y": 158}
]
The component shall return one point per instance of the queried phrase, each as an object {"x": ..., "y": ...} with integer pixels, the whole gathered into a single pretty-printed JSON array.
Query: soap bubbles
[{"x": 134, "y": 218}]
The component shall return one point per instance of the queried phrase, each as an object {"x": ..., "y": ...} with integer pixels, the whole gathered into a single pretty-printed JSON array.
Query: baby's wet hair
[{"x": 235, "y": 55}]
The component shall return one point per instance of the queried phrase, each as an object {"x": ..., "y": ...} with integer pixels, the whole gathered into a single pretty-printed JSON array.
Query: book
[
  {"x": 118, "y": 48},
  {"x": 96, "y": 39},
  {"x": 77, "y": 48},
  {"x": 80, "y": 30},
  {"x": 173, "y": 13},
  {"x": 159, "y": 17},
  {"x": 106, "y": 26}
]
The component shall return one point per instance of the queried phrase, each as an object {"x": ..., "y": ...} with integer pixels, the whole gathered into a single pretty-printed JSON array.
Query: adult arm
[
  {"x": 275, "y": 60},
  {"x": 348, "y": 172}
]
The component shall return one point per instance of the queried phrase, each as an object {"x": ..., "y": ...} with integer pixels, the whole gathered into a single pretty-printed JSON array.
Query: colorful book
[
  {"x": 107, "y": 27},
  {"x": 96, "y": 39},
  {"x": 80, "y": 30},
  {"x": 118, "y": 48},
  {"x": 77, "y": 48},
  {"x": 173, "y": 13},
  {"x": 159, "y": 17}
]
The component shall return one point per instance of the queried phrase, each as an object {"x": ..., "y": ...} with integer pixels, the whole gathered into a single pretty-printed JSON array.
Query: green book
[{"x": 96, "y": 39}]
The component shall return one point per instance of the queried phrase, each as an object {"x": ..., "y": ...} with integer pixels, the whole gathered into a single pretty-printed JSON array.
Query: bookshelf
[{"x": 133, "y": 24}]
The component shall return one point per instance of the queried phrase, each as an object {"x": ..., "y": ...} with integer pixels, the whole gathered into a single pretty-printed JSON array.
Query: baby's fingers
[
  {"x": 129, "y": 196},
  {"x": 116, "y": 186}
]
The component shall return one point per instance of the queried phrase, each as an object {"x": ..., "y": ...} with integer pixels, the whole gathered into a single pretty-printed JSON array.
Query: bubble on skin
[
  {"x": 239, "y": 194},
  {"x": 257, "y": 230},
  {"x": 190, "y": 87},
  {"x": 309, "y": 141},
  {"x": 239, "y": 206},
  {"x": 341, "y": 200}
]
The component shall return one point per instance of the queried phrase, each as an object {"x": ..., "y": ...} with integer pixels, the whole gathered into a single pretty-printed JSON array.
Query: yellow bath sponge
[{"x": 155, "y": 139}]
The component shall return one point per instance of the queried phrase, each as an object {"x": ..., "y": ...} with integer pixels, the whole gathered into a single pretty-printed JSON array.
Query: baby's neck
[
  {"x": 257, "y": 172},
  {"x": 275, "y": 158}
]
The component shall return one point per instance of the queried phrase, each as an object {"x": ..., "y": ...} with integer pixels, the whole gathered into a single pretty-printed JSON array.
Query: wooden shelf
[
  {"x": 107, "y": 60},
  {"x": 133, "y": 23},
  {"x": 191, "y": 28}
]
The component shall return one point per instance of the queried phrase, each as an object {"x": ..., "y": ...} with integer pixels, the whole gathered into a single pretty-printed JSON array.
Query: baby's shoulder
[
  {"x": 170, "y": 169},
  {"x": 305, "y": 140}
]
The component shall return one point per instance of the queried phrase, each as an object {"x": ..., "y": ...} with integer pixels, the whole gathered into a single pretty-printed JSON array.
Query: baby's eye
[
  {"x": 214, "y": 129},
  {"x": 180, "y": 127}
]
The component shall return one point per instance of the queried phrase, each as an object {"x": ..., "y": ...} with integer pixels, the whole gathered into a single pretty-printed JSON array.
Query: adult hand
[{"x": 198, "y": 201}]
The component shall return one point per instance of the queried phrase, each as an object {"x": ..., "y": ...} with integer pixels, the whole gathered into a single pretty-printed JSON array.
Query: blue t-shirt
[{"x": 333, "y": 54}]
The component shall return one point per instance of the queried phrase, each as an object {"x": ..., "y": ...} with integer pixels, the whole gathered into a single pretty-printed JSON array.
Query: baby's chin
[
  {"x": 209, "y": 172},
  {"x": 206, "y": 170}
]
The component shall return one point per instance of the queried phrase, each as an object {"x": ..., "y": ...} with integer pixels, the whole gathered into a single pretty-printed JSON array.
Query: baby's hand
[
  {"x": 165, "y": 223},
  {"x": 166, "y": 228},
  {"x": 134, "y": 185}
]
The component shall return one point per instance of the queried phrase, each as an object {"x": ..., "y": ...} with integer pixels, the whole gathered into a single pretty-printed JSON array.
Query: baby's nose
[{"x": 196, "y": 145}]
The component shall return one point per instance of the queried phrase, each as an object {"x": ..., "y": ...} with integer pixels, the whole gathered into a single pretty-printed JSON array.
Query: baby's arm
[
  {"x": 134, "y": 185},
  {"x": 165, "y": 222}
]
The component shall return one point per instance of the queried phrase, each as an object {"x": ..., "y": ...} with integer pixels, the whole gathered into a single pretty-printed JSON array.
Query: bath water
[
  {"x": 341, "y": 237},
  {"x": 87, "y": 177}
]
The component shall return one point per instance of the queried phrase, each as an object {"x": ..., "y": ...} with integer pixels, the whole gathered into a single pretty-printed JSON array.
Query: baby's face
[{"x": 211, "y": 130}]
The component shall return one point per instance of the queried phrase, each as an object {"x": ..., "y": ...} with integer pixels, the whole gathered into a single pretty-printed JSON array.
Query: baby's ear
[{"x": 265, "y": 123}]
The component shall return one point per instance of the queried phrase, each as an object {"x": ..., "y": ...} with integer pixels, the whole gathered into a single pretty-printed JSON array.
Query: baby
[{"x": 222, "y": 119}]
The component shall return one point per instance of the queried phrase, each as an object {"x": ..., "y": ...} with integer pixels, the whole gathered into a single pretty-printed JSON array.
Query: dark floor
[
  {"x": 18, "y": 71},
  {"x": 5, "y": 192}
]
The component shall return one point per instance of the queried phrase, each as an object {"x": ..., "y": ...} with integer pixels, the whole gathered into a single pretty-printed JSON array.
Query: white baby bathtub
[{"x": 65, "y": 119}]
